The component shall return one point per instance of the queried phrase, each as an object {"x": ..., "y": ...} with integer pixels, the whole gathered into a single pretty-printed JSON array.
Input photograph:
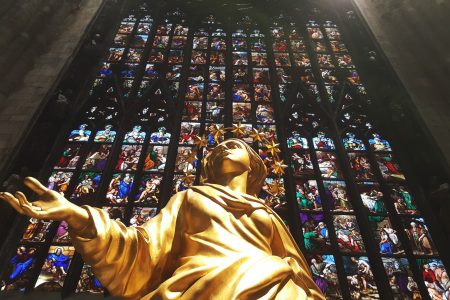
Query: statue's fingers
[
  {"x": 42, "y": 204},
  {"x": 22, "y": 199},
  {"x": 35, "y": 206},
  {"x": 13, "y": 201},
  {"x": 31, "y": 212},
  {"x": 35, "y": 185}
]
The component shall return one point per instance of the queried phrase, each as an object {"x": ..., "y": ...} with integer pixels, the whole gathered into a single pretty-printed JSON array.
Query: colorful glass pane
[
  {"x": 17, "y": 273},
  {"x": 315, "y": 232},
  {"x": 88, "y": 283},
  {"x": 348, "y": 235},
  {"x": 54, "y": 270},
  {"x": 324, "y": 273},
  {"x": 336, "y": 195},
  {"x": 360, "y": 278}
]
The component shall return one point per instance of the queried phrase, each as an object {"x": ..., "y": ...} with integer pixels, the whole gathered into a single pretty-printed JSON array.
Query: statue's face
[{"x": 234, "y": 158}]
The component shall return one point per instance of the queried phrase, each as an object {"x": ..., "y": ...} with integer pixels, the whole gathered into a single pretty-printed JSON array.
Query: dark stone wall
[
  {"x": 414, "y": 36},
  {"x": 37, "y": 40}
]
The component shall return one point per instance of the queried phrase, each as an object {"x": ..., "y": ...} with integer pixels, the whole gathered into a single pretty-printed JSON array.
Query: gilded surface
[{"x": 213, "y": 241}]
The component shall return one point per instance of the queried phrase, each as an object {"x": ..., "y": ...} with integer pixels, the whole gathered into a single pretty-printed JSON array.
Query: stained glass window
[{"x": 168, "y": 91}]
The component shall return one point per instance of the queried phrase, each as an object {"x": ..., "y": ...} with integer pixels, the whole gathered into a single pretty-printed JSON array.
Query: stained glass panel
[
  {"x": 18, "y": 271},
  {"x": 88, "y": 283},
  {"x": 54, "y": 270},
  {"x": 360, "y": 278}
]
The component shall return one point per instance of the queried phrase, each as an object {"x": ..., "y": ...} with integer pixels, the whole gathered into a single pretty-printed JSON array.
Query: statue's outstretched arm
[
  {"x": 126, "y": 260},
  {"x": 49, "y": 205}
]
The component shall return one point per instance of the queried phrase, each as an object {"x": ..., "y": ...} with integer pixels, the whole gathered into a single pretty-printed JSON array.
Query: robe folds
[{"x": 209, "y": 242}]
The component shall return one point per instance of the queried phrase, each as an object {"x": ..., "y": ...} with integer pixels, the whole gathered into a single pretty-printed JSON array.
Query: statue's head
[{"x": 234, "y": 156}]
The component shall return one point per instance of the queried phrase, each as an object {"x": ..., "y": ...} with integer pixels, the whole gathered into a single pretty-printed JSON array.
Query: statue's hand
[{"x": 50, "y": 205}]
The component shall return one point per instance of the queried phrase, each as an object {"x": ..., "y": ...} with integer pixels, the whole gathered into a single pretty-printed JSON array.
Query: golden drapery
[{"x": 209, "y": 242}]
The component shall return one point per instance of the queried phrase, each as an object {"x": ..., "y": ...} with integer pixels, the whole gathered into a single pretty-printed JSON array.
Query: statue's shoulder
[
  {"x": 194, "y": 193},
  {"x": 187, "y": 193},
  {"x": 180, "y": 194},
  {"x": 194, "y": 189}
]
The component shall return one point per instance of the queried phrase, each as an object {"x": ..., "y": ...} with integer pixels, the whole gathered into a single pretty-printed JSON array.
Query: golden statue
[{"x": 215, "y": 241}]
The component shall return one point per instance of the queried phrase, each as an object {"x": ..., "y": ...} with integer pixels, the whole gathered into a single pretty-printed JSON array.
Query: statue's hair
[{"x": 256, "y": 175}]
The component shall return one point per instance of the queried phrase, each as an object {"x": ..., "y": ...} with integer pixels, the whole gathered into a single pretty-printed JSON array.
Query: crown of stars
[
  {"x": 268, "y": 147},
  {"x": 257, "y": 136},
  {"x": 188, "y": 178},
  {"x": 218, "y": 132},
  {"x": 237, "y": 129},
  {"x": 200, "y": 142},
  {"x": 191, "y": 156},
  {"x": 273, "y": 148},
  {"x": 278, "y": 167},
  {"x": 275, "y": 187}
]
